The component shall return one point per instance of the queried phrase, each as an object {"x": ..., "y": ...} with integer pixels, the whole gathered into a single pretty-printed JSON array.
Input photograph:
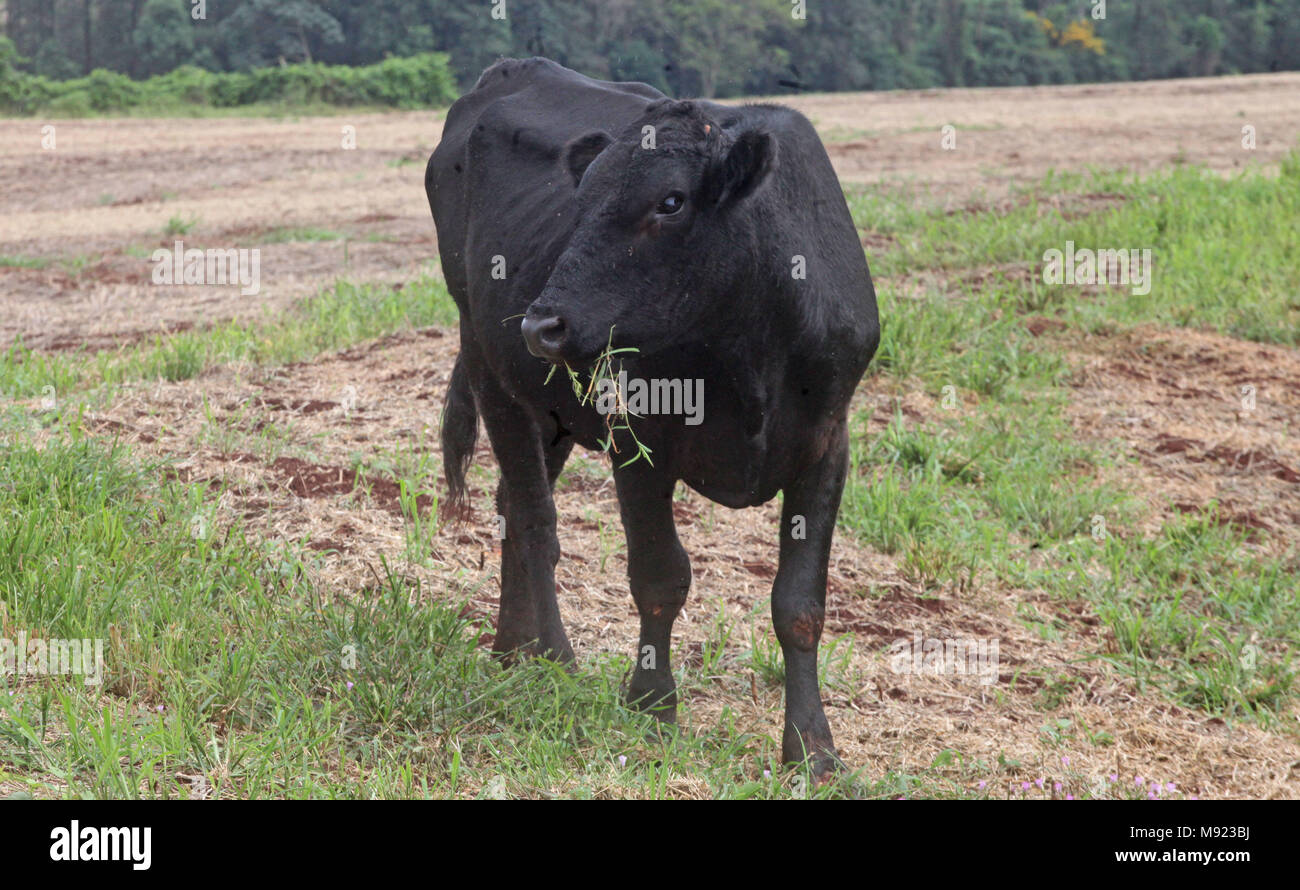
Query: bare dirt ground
[
  {"x": 1014, "y": 134},
  {"x": 1208, "y": 418},
  {"x": 87, "y": 213}
]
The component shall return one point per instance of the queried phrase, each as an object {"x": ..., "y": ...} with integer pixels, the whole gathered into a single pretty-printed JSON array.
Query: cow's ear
[
  {"x": 579, "y": 153},
  {"x": 747, "y": 163}
]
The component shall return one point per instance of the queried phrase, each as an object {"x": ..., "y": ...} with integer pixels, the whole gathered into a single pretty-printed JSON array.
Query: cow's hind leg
[
  {"x": 659, "y": 573},
  {"x": 528, "y": 622},
  {"x": 799, "y": 603}
]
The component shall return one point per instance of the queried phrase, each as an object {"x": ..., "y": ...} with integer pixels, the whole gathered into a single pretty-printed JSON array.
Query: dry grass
[{"x": 1178, "y": 402}]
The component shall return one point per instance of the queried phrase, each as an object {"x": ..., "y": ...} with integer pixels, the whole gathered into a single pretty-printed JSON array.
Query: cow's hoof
[
  {"x": 660, "y": 704},
  {"x": 825, "y": 767},
  {"x": 554, "y": 644},
  {"x": 816, "y": 752},
  {"x": 828, "y": 768},
  {"x": 510, "y": 651},
  {"x": 558, "y": 653}
]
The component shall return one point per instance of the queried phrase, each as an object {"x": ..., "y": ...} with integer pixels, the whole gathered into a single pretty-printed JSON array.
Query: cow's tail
[{"x": 459, "y": 435}]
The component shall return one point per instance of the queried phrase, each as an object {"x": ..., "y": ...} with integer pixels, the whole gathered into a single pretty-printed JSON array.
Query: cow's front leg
[
  {"x": 799, "y": 602},
  {"x": 528, "y": 621},
  {"x": 659, "y": 573}
]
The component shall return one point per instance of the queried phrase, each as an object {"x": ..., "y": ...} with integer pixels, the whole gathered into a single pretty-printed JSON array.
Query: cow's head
[{"x": 663, "y": 239}]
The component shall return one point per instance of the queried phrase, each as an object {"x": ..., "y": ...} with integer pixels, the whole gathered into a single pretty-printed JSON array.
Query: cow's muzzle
[{"x": 546, "y": 335}]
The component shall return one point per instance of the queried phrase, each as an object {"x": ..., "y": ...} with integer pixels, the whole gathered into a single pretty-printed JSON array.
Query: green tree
[
  {"x": 266, "y": 32},
  {"x": 1207, "y": 40},
  {"x": 684, "y": 47},
  {"x": 162, "y": 39},
  {"x": 720, "y": 42}
]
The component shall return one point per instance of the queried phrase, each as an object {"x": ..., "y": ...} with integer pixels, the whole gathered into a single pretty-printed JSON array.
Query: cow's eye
[{"x": 670, "y": 204}]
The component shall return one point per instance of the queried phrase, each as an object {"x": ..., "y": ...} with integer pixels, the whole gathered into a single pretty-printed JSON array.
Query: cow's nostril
[
  {"x": 545, "y": 336},
  {"x": 553, "y": 331}
]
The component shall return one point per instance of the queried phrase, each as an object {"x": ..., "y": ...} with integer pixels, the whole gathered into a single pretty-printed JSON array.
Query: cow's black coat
[{"x": 552, "y": 208}]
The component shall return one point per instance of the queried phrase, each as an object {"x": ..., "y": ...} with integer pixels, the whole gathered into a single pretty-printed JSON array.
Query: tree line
[{"x": 683, "y": 47}]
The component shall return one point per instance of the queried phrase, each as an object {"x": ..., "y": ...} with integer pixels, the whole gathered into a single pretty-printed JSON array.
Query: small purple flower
[
  {"x": 622, "y": 760},
  {"x": 160, "y": 709},
  {"x": 1065, "y": 759},
  {"x": 1138, "y": 780},
  {"x": 1056, "y": 786},
  {"x": 1114, "y": 777},
  {"x": 1069, "y": 797},
  {"x": 1038, "y": 782},
  {"x": 982, "y": 784},
  {"x": 1170, "y": 787},
  {"x": 1024, "y": 786},
  {"x": 1151, "y": 795},
  {"x": 767, "y": 774},
  {"x": 349, "y": 685}
]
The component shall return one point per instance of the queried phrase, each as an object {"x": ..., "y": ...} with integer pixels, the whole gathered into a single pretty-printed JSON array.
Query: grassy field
[{"x": 1074, "y": 470}]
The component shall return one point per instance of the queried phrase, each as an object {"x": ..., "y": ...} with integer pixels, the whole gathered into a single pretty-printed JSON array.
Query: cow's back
[{"x": 498, "y": 163}]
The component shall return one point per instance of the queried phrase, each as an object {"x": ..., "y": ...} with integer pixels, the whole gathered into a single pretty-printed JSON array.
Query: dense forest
[{"x": 684, "y": 47}]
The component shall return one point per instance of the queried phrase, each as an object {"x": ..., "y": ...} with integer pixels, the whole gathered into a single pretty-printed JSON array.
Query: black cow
[{"x": 716, "y": 242}]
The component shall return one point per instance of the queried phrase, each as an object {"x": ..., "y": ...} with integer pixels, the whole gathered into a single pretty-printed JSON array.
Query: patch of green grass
[
  {"x": 1225, "y": 251},
  {"x": 416, "y": 469},
  {"x": 286, "y": 234},
  {"x": 224, "y": 665},
  {"x": 24, "y": 373},
  {"x": 345, "y": 314},
  {"x": 1195, "y": 610},
  {"x": 247, "y": 428},
  {"x": 1007, "y": 493},
  {"x": 179, "y": 225},
  {"x": 997, "y": 470},
  {"x": 975, "y": 343},
  {"x": 971, "y": 493},
  {"x": 24, "y": 262},
  {"x": 1003, "y": 487}
]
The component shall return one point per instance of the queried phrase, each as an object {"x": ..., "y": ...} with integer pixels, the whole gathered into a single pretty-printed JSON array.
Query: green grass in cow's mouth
[{"x": 603, "y": 369}]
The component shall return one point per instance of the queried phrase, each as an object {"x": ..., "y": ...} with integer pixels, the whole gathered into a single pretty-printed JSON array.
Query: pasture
[{"x": 238, "y": 492}]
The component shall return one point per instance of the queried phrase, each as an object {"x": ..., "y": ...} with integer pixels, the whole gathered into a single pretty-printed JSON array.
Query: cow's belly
[
  {"x": 736, "y": 472},
  {"x": 728, "y": 496}
]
